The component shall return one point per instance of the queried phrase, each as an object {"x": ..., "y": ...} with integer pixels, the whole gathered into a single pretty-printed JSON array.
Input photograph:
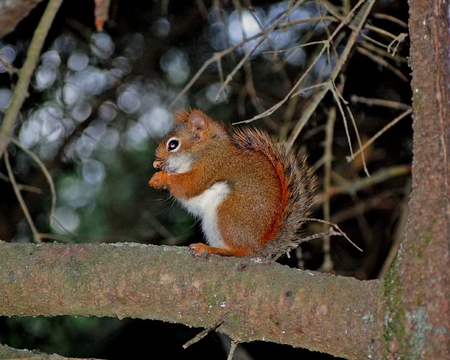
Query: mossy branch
[{"x": 256, "y": 300}]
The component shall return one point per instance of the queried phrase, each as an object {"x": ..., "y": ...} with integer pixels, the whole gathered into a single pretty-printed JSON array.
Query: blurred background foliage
[{"x": 99, "y": 104}]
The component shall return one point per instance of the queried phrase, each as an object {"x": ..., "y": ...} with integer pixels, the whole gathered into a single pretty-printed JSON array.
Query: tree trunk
[{"x": 418, "y": 284}]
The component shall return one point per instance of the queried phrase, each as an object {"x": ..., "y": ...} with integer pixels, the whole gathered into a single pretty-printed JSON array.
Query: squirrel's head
[{"x": 193, "y": 137}]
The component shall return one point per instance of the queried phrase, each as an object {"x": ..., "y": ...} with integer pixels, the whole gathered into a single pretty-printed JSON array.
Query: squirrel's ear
[{"x": 198, "y": 121}]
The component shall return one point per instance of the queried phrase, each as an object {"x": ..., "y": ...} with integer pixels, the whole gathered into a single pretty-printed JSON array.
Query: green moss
[
  {"x": 427, "y": 238},
  {"x": 418, "y": 99},
  {"x": 419, "y": 249},
  {"x": 396, "y": 317},
  {"x": 394, "y": 321}
]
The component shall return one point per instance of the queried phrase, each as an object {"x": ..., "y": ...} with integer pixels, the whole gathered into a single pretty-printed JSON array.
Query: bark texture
[
  {"x": 256, "y": 301},
  {"x": 418, "y": 285}
]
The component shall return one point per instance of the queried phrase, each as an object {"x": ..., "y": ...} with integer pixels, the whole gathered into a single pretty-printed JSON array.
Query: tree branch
[{"x": 257, "y": 300}]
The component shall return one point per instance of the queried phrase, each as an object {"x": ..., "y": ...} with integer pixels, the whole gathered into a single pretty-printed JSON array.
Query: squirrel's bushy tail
[
  {"x": 298, "y": 187},
  {"x": 301, "y": 186}
]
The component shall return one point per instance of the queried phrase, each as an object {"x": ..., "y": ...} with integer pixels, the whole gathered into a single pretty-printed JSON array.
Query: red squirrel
[{"x": 250, "y": 195}]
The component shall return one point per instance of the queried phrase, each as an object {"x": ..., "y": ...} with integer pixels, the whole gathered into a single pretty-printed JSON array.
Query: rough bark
[
  {"x": 7, "y": 352},
  {"x": 256, "y": 301},
  {"x": 418, "y": 285}
]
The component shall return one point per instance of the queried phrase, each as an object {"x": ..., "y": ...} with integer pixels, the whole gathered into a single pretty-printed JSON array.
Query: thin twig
[
  {"x": 383, "y": 52},
  {"x": 26, "y": 72},
  {"x": 307, "y": 20},
  {"x": 336, "y": 13},
  {"x": 361, "y": 16},
  {"x": 337, "y": 69},
  {"x": 390, "y": 18},
  {"x": 398, "y": 40},
  {"x": 255, "y": 46},
  {"x": 359, "y": 142},
  {"x": 333, "y": 231},
  {"x": 379, "y": 60},
  {"x": 216, "y": 57},
  {"x": 362, "y": 183},
  {"x": 381, "y": 31},
  {"x": 328, "y": 159},
  {"x": 233, "y": 347},
  {"x": 383, "y": 130},
  {"x": 44, "y": 170},
  {"x": 56, "y": 237},
  {"x": 380, "y": 201},
  {"x": 10, "y": 68},
  {"x": 20, "y": 199},
  {"x": 379, "y": 102},
  {"x": 202, "y": 334},
  {"x": 344, "y": 118},
  {"x": 21, "y": 187}
]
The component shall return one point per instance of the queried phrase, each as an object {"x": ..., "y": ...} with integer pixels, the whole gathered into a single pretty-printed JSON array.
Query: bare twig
[
  {"x": 379, "y": 176},
  {"x": 379, "y": 102},
  {"x": 217, "y": 57},
  {"x": 43, "y": 169},
  {"x": 380, "y": 201},
  {"x": 20, "y": 199},
  {"x": 202, "y": 334},
  {"x": 383, "y": 130},
  {"x": 390, "y": 18},
  {"x": 21, "y": 187},
  {"x": 332, "y": 231},
  {"x": 398, "y": 40},
  {"x": 383, "y": 52},
  {"x": 328, "y": 159},
  {"x": 344, "y": 118},
  {"x": 333, "y": 10},
  {"x": 10, "y": 68},
  {"x": 21, "y": 90},
  {"x": 307, "y": 20},
  {"x": 359, "y": 142},
  {"x": 381, "y": 31},
  {"x": 361, "y": 17},
  {"x": 233, "y": 347},
  {"x": 379, "y": 60},
  {"x": 335, "y": 230},
  {"x": 255, "y": 46}
]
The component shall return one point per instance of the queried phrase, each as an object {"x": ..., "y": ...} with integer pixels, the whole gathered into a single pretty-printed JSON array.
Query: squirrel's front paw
[
  {"x": 158, "y": 180},
  {"x": 200, "y": 250}
]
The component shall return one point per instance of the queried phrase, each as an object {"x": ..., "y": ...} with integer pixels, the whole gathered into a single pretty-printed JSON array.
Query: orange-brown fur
[{"x": 270, "y": 193}]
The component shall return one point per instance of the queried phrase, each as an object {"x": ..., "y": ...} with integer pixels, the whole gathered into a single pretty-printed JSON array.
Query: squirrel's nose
[{"x": 157, "y": 164}]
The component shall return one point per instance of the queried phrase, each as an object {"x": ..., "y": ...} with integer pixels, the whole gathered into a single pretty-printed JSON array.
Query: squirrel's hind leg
[{"x": 203, "y": 250}]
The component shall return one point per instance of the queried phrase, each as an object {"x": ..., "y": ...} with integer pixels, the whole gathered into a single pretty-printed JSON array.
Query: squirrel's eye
[{"x": 173, "y": 144}]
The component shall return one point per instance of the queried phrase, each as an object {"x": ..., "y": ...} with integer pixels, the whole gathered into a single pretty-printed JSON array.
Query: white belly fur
[{"x": 205, "y": 207}]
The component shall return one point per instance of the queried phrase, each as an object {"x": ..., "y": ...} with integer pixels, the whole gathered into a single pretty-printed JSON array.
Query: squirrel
[{"x": 250, "y": 194}]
